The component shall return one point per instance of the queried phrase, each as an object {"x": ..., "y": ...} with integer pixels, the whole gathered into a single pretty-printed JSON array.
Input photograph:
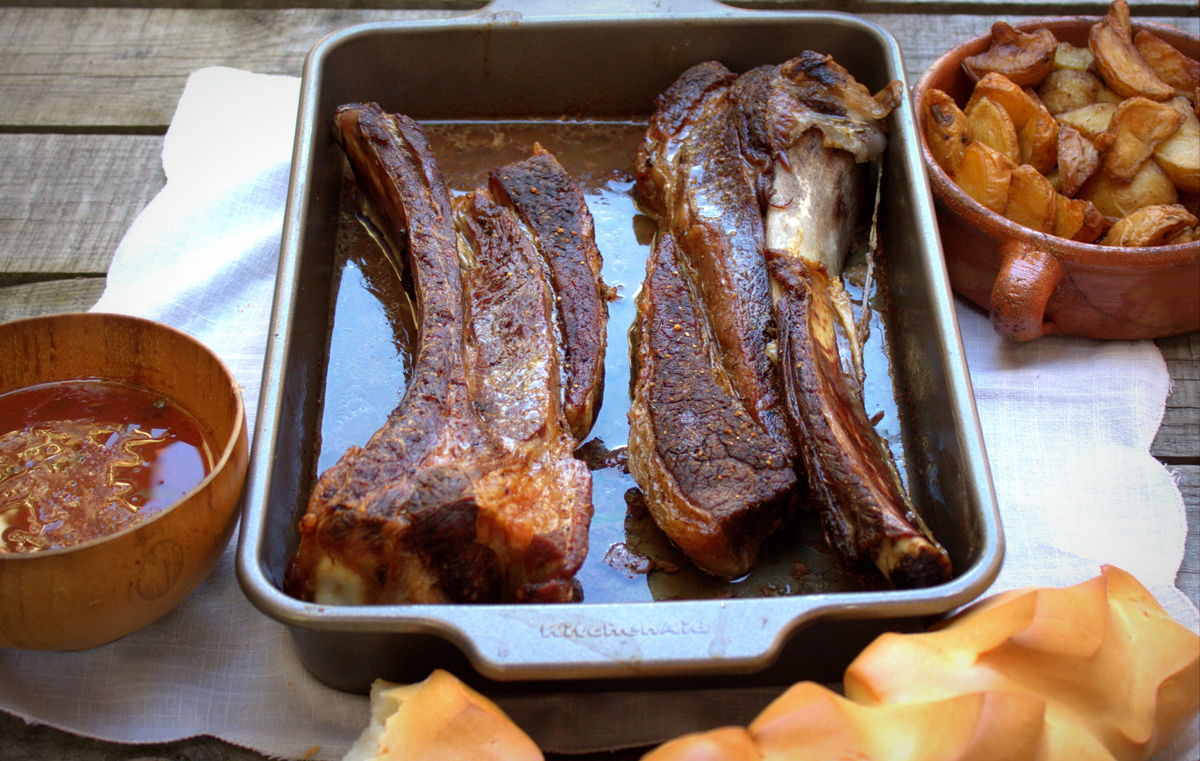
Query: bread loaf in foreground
[
  {"x": 1094, "y": 672},
  {"x": 1104, "y": 656},
  {"x": 439, "y": 719}
]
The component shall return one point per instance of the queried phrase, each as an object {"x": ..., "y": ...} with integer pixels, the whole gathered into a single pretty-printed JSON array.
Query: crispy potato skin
[
  {"x": 1169, "y": 65},
  {"x": 1024, "y": 57},
  {"x": 947, "y": 130},
  {"x": 1152, "y": 226}
]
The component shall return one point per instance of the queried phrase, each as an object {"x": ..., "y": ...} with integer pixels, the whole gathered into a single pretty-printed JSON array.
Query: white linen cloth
[{"x": 1067, "y": 423}]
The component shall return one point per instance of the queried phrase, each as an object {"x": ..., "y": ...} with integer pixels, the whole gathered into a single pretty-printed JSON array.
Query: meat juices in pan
[
  {"x": 470, "y": 491},
  {"x": 758, "y": 181}
]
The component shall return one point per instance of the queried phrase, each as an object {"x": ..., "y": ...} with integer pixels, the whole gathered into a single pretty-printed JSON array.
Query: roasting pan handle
[
  {"x": 623, "y": 640},
  {"x": 676, "y": 638}
]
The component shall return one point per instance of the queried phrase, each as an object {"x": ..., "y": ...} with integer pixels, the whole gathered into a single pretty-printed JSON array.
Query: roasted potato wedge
[
  {"x": 1055, "y": 181},
  {"x": 1016, "y": 102},
  {"x": 1091, "y": 121},
  {"x": 984, "y": 174},
  {"x": 1186, "y": 235},
  {"x": 1150, "y": 226},
  {"x": 1171, "y": 66},
  {"x": 1024, "y": 57},
  {"x": 1118, "y": 60},
  {"x": 1038, "y": 141},
  {"x": 1067, "y": 89},
  {"x": 1077, "y": 219},
  {"x": 992, "y": 126},
  {"x": 1137, "y": 127},
  {"x": 1067, "y": 56},
  {"x": 1078, "y": 160},
  {"x": 1113, "y": 198},
  {"x": 1068, "y": 140},
  {"x": 1031, "y": 200},
  {"x": 1179, "y": 154},
  {"x": 947, "y": 130}
]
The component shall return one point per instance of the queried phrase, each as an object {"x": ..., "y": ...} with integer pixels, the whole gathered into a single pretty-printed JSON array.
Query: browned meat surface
[
  {"x": 713, "y": 480},
  {"x": 760, "y": 180},
  {"x": 553, "y": 207},
  {"x": 709, "y": 442},
  {"x": 692, "y": 176},
  {"x": 537, "y": 497},
  {"x": 468, "y": 493}
]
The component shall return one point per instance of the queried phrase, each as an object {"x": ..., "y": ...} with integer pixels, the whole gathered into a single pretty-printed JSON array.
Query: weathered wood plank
[
  {"x": 922, "y": 42},
  {"x": 33, "y": 299},
  {"x": 73, "y": 69},
  {"x": 66, "y": 69},
  {"x": 30, "y": 742},
  {"x": 24, "y": 742},
  {"x": 1178, "y": 437},
  {"x": 1188, "y": 578},
  {"x": 66, "y": 200}
]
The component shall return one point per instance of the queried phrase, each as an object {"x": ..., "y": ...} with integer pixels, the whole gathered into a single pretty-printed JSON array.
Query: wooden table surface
[{"x": 88, "y": 88}]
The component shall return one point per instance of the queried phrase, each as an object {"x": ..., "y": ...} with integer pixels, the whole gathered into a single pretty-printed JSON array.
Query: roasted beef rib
[
  {"x": 709, "y": 441},
  {"x": 470, "y": 491},
  {"x": 759, "y": 181},
  {"x": 553, "y": 208}
]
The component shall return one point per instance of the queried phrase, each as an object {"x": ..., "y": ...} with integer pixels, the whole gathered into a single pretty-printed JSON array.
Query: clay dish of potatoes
[{"x": 1064, "y": 158}]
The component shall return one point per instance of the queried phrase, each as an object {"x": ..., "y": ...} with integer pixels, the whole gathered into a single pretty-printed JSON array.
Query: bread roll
[
  {"x": 812, "y": 723},
  {"x": 1109, "y": 662},
  {"x": 439, "y": 719},
  {"x": 723, "y": 744}
]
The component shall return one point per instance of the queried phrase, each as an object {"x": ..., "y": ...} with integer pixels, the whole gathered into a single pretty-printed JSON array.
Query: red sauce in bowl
[{"x": 82, "y": 459}]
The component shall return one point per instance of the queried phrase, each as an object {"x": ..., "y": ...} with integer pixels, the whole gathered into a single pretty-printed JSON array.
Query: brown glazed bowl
[
  {"x": 91, "y": 593},
  {"x": 1035, "y": 284}
]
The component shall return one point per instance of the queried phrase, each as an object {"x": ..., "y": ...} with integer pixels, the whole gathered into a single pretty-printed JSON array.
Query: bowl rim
[
  {"x": 219, "y": 464},
  {"x": 1076, "y": 252}
]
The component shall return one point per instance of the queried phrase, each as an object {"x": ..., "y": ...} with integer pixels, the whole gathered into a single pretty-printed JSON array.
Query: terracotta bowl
[
  {"x": 1035, "y": 284},
  {"x": 91, "y": 593}
]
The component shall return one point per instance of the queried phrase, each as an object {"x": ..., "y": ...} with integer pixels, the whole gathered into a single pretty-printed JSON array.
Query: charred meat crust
[
  {"x": 352, "y": 517},
  {"x": 553, "y": 207},
  {"x": 676, "y": 108},
  {"x": 812, "y": 125},
  {"x": 714, "y": 481}
]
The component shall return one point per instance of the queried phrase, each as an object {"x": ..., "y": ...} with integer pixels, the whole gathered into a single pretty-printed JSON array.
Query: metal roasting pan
[{"x": 547, "y": 59}]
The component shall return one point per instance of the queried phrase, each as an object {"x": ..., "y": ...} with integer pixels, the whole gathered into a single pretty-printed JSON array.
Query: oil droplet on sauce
[{"x": 81, "y": 459}]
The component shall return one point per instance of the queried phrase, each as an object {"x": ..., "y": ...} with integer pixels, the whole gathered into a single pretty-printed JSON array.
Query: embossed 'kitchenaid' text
[{"x": 593, "y": 631}]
